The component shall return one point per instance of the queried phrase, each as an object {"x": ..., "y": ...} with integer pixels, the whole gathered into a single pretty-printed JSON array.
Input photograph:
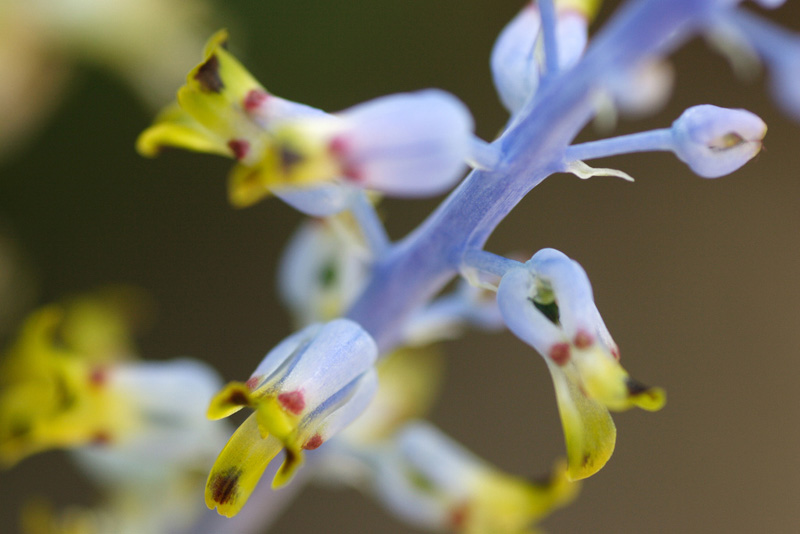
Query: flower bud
[
  {"x": 716, "y": 141},
  {"x": 516, "y": 60}
]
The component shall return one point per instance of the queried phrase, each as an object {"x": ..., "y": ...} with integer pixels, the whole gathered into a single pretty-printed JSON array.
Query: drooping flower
[
  {"x": 548, "y": 303},
  {"x": 413, "y": 144},
  {"x": 405, "y": 145},
  {"x": 433, "y": 483},
  {"x": 307, "y": 389},
  {"x": 71, "y": 380}
]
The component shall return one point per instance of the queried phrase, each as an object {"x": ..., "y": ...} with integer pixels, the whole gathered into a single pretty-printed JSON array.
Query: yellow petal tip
[
  {"x": 232, "y": 398},
  {"x": 650, "y": 399}
]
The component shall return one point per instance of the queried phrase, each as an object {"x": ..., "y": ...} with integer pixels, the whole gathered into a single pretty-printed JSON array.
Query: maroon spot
[
  {"x": 637, "y": 388},
  {"x": 224, "y": 485},
  {"x": 238, "y": 398},
  {"x": 615, "y": 353},
  {"x": 583, "y": 339},
  {"x": 313, "y": 443},
  {"x": 208, "y": 75},
  {"x": 559, "y": 353},
  {"x": 293, "y": 401},
  {"x": 338, "y": 146},
  {"x": 289, "y": 159},
  {"x": 101, "y": 437},
  {"x": 252, "y": 383},
  {"x": 98, "y": 376},
  {"x": 458, "y": 516},
  {"x": 254, "y": 99},
  {"x": 352, "y": 173},
  {"x": 240, "y": 147}
]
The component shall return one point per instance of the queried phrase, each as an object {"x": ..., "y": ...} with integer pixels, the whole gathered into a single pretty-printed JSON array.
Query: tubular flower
[
  {"x": 307, "y": 389},
  {"x": 404, "y": 145},
  {"x": 407, "y": 145},
  {"x": 548, "y": 304},
  {"x": 430, "y": 481}
]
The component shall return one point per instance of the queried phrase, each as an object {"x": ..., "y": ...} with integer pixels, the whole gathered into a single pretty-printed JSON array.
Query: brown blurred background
[{"x": 697, "y": 279}]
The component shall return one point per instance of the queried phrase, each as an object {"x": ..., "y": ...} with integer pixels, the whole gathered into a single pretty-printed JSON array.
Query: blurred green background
[{"x": 696, "y": 279}]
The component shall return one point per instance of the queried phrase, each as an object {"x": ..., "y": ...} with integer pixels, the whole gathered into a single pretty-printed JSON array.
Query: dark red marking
[
  {"x": 208, "y": 75},
  {"x": 98, "y": 376},
  {"x": 101, "y": 437},
  {"x": 583, "y": 339},
  {"x": 239, "y": 147},
  {"x": 254, "y": 99},
  {"x": 252, "y": 383},
  {"x": 559, "y": 353},
  {"x": 224, "y": 486},
  {"x": 458, "y": 517},
  {"x": 338, "y": 146},
  {"x": 289, "y": 158},
  {"x": 292, "y": 401},
  {"x": 615, "y": 353},
  {"x": 352, "y": 173},
  {"x": 313, "y": 443},
  {"x": 238, "y": 398}
]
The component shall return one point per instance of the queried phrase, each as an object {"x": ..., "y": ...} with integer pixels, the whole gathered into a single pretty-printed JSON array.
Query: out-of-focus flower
[
  {"x": 323, "y": 268},
  {"x": 517, "y": 60},
  {"x": 637, "y": 92},
  {"x": 716, "y": 141},
  {"x": 40, "y": 39},
  {"x": 138, "y": 429},
  {"x": 432, "y": 482},
  {"x": 307, "y": 389},
  {"x": 548, "y": 303},
  {"x": 405, "y": 145},
  {"x": 450, "y": 315},
  {"x": 409, "y": 380}
]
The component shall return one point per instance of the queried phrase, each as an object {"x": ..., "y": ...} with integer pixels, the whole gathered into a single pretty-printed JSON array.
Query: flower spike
[
  {"x": 548, "y": 304},
  {"x": 307, "y": 389}
]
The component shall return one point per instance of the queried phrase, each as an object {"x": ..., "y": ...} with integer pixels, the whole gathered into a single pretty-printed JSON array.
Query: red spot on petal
[
  {"x": 101, "y": 438},
  {"x": 98, "y": 376},
  {"x": 252, "y": 383},
  {"x": 254, "y": 99},
  {"x": 583, "y": 339},
  {"x": 352, "y": 173},
  {"x": 240, "y": 147},
  {"x": 559, "y": 353},
  {"x": 458, "y": 517},
  {"x": 313, "y": 443},
  {"x": 293, "y": 401},
  {"x": 615, "y": 352},
  {"x": 338, "y": 146}
]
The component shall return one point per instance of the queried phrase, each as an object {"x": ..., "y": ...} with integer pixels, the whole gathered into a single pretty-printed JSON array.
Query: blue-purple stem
[{"x": 416, "y": 268}]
